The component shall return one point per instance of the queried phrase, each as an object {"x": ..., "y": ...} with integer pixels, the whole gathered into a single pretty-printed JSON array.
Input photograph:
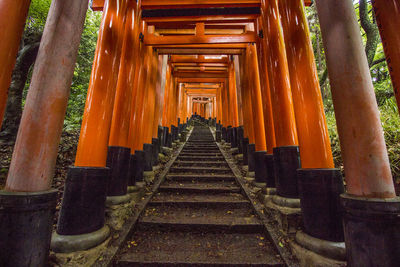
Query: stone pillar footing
[
  {"x": 117, "y": 200},
  {"x": 371, "y": 230},
  {"x": 26, "y": 222},
  {"x": 72, "y": 243},
  {"x": 286, "y": 202},
  {"x": 329, "y": 249}
]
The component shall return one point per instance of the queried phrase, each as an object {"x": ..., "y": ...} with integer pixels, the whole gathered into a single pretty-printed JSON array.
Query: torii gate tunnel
[{"x": 244, "y": 66}]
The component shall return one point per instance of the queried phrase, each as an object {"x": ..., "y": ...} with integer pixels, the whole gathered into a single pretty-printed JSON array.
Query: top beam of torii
[{"x": 175, "y": 4}]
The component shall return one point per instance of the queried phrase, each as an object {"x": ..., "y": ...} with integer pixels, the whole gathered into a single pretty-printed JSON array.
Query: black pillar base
[
  {"x": 148, "y": 157},
  {"x": 218, "y": 136},
  {"x": 269, "y": 165},
  {"x": 131, "y": 175},
  {"x": 234, "y": 141},
  {"x": 224, "y": 133},
  {"x": 251, "y": 148},
  {"x": 83, "y": 204},
  {"x": 140, "y": 162},
  {"x": 320, "y": 191},
  {"x": 245, "y": 143},
  {"x": 160, "y": 137},
  {"x": 371, "y": 231},
  {"x": 118, "y": 161},
  {"x": 156, "y": 151},
  {"x": 260, "y": 167},
  {"x": 169, "y": 140},
  {"x": 286, "y": 163},
  {"x": 165, "y": 136},
  {"x": 229, "y": 134},
  {"x": 240, "y": 136},
  {"x": 26, "y": 223}
]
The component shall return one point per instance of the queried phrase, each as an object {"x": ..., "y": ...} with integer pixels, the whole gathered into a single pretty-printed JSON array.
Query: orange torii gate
[{"x": 257, "y": 56}]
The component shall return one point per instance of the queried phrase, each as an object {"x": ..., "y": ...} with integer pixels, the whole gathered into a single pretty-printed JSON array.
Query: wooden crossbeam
[
  {"x": 196, "y": 74},
  {"x": 199, "y": 51},
  {"x": 157, "y": 41},
  {"x": 176, "y": 21},
  {"x": 197, "y": 59},
  {"x": 98, "y": 5},
  {"x": 155, "y": 4},
  {"x": 200, "y": 80}
]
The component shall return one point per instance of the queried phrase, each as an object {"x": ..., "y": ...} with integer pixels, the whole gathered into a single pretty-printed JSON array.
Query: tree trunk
[
  {"x": 26, "y": 58},
  {"x": 371, "y": 30}
]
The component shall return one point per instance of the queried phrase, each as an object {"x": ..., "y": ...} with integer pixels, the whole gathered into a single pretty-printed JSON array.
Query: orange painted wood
[
  {"x": 199, "y": 51},
  {"x": 314, "y": 142},
  {"x": 159, "y": 97},
  {"x": 35, "y": 152},
  {"x": 197, "y": 59},
  {"x": 156, "y": 41},
  {"x": 12, "y": 21},
  {"x": 387, "y": 14},
  {"x": 119, "y": 133},
  {"x": 278, "y": 74},
  {"x": 233, "y": 96},
  {"x": 266, "y": 96},
  {"x": 150, "y": 96},
  {"x": 167, "y": 96},
  {"x": 95, "y": 130},
  {"x": 162, "y": 22},
  {"x": 98, "y": 5},
  {"x": 152, "y": 4},
  {"x": 255, "y": 94},
  {"x": 246, "y": 101},
  {"x": 137, "y": 92},
  {"x": 140, "y": 83},
  {"x": 195, "y": 74}
]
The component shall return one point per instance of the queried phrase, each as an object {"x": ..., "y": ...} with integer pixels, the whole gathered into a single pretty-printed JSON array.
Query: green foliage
[
  {"x": 83, "y": 68},
  {"x": 34, "y": 27}
]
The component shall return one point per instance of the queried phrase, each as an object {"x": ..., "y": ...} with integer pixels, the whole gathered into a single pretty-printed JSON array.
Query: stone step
[
  {"x": 201, "y": 177},
  {"x": 182, "y": 248},
  {"x": 201, "y": 158},
  {"x": 199, "y": 188},
  {"x": 196, "y": 163},
  {"x": 177, "y": 169}
]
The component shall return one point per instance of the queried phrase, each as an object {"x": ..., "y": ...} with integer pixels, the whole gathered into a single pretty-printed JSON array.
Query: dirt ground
[{"x": 65, "y": 158}]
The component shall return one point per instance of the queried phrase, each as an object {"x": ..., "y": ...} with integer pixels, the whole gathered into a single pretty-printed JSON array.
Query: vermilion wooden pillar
[
  {"x": 266, "y": 93},
  {"x": 145, "y": 60},
  {"x": 315, "y": 146},
  {"x": 255, "y": 94},
  {"x": 233, "y": 95},
  {"x": 167, "y": 94},
  {"x": 12, "y": 20},
  {"x": 319, "y": 183},
  {"x": 119, "y": 152},
  {"x": 387, "y": 13},
  {"x": 28, "y": 204},
  {"x": 246, "y": 102},
  {"x": 371, "y": 208},
  {"x": 119, "y": 133},
  {"x": 286, "y": 152},
  {"x": 238, "y": 89},
  {"x": 95, "y": 130},
  {"x": 158, "y": 63}
]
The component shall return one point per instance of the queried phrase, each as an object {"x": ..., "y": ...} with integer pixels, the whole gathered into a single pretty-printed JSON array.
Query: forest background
[{"x": 29, "y": 48}]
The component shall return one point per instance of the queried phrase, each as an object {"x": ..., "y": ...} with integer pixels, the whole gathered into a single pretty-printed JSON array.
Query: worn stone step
[
  {"x": 177, "y": 169},
  {"x": 198, "y": 200},
  {"x": 189, "y": 154},
  {"x": 200, "y": 177},
  {"x": 201, "y": 158},
  {"x": 176, "y": 248},
  {"x": 196, "y": 188},
  {"x": 202, "y": 219},
  {"x": 195, "y": 163},
  {"x": 195, "y": 150}
]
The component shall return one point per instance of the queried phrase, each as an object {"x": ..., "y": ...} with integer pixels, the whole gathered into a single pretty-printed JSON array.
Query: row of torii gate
[{"x": 247, "y": 63}]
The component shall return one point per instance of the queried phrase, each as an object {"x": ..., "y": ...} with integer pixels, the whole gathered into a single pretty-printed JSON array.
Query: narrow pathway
[{"x": 199, "y": 216}]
